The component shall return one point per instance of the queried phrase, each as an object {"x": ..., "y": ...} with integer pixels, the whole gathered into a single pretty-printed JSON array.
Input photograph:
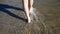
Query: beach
[{"x": 14, "y": 21}]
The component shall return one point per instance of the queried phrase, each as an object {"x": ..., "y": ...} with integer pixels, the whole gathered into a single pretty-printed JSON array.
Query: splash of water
[{"x": 33, "y": 14}]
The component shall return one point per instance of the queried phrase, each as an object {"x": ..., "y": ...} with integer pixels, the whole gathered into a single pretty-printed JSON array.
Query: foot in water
[
  {"x": 29, "y": 20},
  {"x": 31, "y": 14}
]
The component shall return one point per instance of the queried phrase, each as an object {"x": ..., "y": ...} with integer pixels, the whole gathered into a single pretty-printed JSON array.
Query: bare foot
[{"x": 29, "y": 20}]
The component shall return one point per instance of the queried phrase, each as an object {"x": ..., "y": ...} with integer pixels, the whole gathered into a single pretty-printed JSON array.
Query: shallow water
[{"x": 12, "y": 17}]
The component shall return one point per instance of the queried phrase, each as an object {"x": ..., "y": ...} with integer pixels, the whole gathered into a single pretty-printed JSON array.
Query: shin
[{"x": 26, "y": 8}]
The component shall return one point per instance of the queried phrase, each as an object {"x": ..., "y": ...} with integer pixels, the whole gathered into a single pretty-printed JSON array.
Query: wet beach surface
[{"x": 13, "y": 20}]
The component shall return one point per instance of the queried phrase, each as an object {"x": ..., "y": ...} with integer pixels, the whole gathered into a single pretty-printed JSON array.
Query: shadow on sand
[{"x": 4, "y": 8}]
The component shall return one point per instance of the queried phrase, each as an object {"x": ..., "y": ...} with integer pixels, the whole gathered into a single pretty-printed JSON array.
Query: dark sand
[{"x": 13, "y": 20}]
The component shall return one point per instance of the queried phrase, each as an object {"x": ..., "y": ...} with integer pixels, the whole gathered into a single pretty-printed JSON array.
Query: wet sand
[{"x": 13, "y": 20}]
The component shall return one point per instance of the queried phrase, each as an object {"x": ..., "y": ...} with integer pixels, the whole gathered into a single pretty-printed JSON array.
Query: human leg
[
  {"x": 31, "y": 3},
  {"x": 26, "y": 8}
]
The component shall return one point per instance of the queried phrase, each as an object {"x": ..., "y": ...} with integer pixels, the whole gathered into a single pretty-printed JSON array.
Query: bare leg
[
  {"x": 26, "y": 8},
  {"x": 31, "y": 9},
  {"x": 31, "y": 6},
  {"x": 31, "y": 3}
]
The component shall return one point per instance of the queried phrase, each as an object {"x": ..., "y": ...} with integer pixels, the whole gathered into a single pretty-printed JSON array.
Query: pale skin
[{"x": 27, "y": 7}]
